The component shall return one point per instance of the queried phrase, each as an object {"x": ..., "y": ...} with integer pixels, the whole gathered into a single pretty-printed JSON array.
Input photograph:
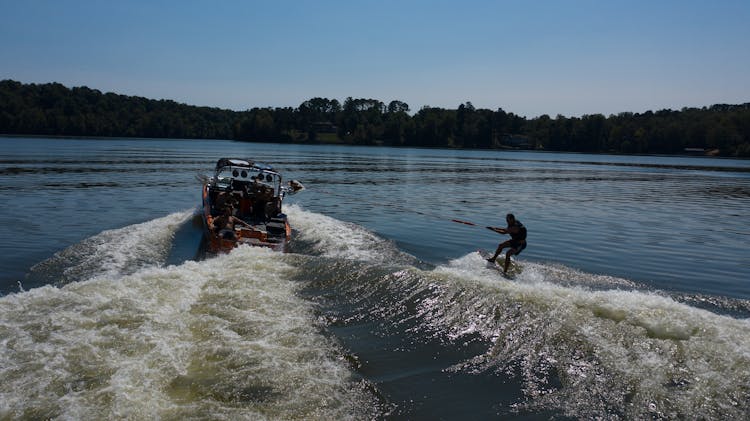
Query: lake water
[{"x": 631, "y": 300}]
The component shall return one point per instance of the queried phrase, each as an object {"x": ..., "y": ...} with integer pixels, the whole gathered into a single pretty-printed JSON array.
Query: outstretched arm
[
  {"x": 498, "y": 230},
  {"x": 240, "y": 221}
]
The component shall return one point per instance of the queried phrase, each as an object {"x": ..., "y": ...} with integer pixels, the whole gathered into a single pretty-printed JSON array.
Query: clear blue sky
[{"x": 569, "y": 57}]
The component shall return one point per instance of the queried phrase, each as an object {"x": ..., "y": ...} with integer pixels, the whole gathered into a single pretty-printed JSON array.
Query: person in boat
[
  {"x": 224, "y": 200},
  {"x": 224, "y": 224},
  {"x": 262, "y": 196},
  {"x": 296, "y": 186},
  {"x": 258, "y": 189},
  {"x": 517, "y": 241}
]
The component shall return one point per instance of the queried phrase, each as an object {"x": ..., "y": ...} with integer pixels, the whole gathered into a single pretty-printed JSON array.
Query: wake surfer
[{"x": 517, "y": 241}]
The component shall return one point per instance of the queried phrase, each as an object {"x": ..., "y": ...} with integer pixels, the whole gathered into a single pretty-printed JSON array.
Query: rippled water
[{"x": 632, "y": 300}]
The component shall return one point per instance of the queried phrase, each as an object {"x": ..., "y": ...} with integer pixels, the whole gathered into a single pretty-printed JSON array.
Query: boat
[{"x": 250, "y": 194}]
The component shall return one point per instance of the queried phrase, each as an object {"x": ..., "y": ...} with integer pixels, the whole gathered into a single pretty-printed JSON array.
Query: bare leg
[
  {"x": 498, "y": 251},
  {"x": 510, "y": 252}
]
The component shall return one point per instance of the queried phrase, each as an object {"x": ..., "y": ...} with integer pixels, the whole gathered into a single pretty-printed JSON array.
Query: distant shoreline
[
  {"x": 55, "y": 110},
  {"x": 105, "y": 138}
]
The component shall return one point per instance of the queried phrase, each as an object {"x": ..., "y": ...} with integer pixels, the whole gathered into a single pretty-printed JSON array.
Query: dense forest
[{"x": 55, "y": 110}]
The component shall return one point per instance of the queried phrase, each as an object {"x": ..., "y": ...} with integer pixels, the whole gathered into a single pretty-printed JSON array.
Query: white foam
[
  {"x": 337, "y": 239},
  {"x": 116, "y": 252},
  {"x": 604, "y": 344},
  {"x": 222, "y": 338}
]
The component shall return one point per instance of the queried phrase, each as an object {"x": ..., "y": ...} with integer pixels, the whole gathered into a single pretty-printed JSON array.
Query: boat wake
[
  {"x": 112, "y": 253},
  {"x": 348, "y": 326},
  {"x": 226, "y": 337},
  {"x": 577, "y": 344},
  {"x": 324, "y": 236}
]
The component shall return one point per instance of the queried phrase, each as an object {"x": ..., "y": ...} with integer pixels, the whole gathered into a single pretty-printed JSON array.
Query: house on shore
[{"x": 515, "y": 141}]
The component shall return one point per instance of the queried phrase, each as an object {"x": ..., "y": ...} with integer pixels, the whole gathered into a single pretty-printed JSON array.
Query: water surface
[{"x": 632, "y": 300}]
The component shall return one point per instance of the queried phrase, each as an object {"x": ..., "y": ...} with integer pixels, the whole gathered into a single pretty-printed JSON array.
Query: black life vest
[{"x": 521, "y": 234}]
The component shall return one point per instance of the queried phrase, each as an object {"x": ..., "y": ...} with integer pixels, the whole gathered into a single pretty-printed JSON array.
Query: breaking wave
[
  {"x": 328, "y": 237},
  {"x": 579, "y": 344},
  {"x": 113, "y": 252}
]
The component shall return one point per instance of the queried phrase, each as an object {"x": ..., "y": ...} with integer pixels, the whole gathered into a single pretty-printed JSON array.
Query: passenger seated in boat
[
  {"x": 224, "y": 224},
  {"x": 223, "y": 200},
  {"x": 256, "y": 189}
]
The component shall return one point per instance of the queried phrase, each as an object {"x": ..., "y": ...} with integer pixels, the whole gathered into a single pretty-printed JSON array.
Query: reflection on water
[
  {"x": 672, "y": 222},
  {"x": 631, "y": 302}
]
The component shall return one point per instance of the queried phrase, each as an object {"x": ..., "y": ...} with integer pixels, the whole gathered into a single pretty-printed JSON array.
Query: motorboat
[{"x": 242, "y": 204}]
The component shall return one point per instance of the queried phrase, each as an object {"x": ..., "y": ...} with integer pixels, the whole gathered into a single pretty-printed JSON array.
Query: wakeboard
[{"x": 513, "y": 269}]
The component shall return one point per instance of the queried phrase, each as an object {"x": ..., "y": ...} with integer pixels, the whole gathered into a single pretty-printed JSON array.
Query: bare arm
[
  {"x": 498, "y": 230},
  {"x": 240, "y": 221}
]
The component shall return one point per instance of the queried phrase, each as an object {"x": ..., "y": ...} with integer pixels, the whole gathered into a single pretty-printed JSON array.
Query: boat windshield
[{"x": 249, "y": 175}]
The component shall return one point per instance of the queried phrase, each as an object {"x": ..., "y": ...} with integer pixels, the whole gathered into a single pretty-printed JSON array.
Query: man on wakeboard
[{"x": 517, "y": 241}]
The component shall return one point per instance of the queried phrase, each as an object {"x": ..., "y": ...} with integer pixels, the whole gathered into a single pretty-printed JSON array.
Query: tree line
[{"x": 55, "y": 110}]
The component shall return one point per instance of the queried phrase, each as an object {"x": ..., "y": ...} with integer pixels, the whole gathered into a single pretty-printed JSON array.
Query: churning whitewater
[
  {"x": 260, "y": 335},
  {"x": 225, "y": 337}
]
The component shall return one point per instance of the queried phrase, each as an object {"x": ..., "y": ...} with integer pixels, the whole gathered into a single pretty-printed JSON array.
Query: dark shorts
[
  {"x": 228, "y": 234},
  {"x": 517, "y": 247}
]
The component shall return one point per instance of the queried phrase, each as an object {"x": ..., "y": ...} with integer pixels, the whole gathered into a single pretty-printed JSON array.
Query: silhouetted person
[{"x": 517, "y": 241}]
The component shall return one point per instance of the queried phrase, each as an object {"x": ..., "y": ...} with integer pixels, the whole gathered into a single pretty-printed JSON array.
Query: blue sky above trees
[{"x": 530, "y": 58}]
